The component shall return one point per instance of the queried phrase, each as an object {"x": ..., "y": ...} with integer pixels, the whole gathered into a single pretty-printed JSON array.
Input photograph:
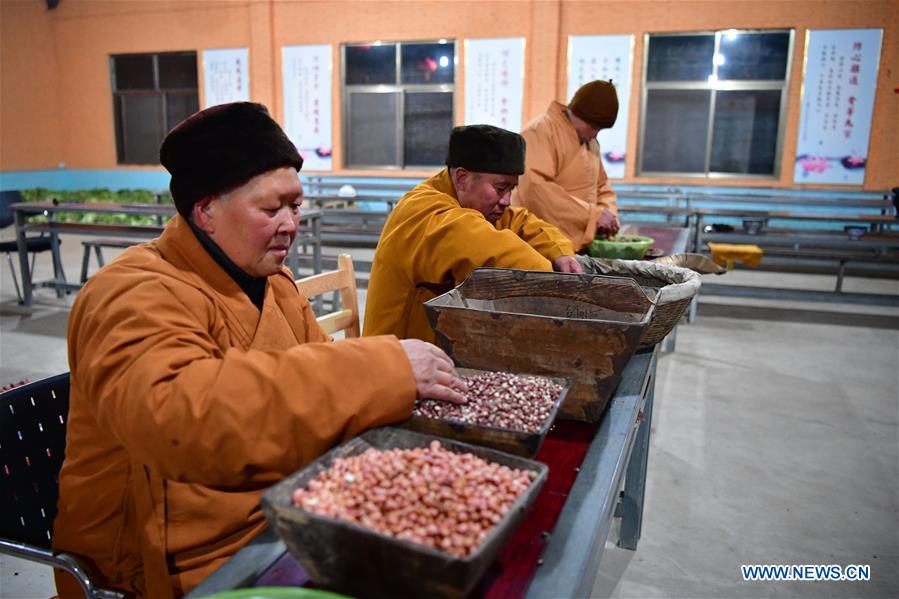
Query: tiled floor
[{"x": 775, "y": 440}]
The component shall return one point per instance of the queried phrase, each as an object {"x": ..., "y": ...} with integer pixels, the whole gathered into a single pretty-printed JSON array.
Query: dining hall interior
[{"x": 752, "y": 421}]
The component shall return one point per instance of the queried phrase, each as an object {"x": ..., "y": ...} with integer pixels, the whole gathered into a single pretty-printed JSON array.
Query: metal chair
[
  {"x": 35, "y": 245},
  {"x": 342, "y": 280},
  {"x": 32, "y": 446}
]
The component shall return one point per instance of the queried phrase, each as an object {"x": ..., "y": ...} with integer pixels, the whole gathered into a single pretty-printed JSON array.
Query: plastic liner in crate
[
  {"x": 676, "y": 287},
  {"x": 579, "y": 326},
  {"x": 349, "y": 558},
  {"x": 504, "y": 439}
]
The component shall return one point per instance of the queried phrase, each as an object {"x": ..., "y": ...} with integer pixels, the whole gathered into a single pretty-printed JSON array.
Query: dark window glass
[
  {"x": 144, "y": 112},
  {"x": 369, "y": 65},
  {"x": 178, "y": 107},
  {"x": 118, "y": 115},
  {"x": 427, "y": 63},
  {"x": 680, "y": 57},
  {"x": 133, "y": 71},
  {"x": 754, "y": 56},
  {"x": 427, "y": 124},
  {"x": 744, "y": 137},
  {"x": 178, "y": 70},
  {"x": 400, "y": 125},
  {"x": 372, "y": 130},
  {"x": 141, "y": 121},
  {"x": 676, "y": 126}
]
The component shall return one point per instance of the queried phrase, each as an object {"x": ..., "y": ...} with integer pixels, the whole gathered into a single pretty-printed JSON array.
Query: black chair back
[
  {"x": 32, "y": 446},
  {"x": 7, "y": 199}
]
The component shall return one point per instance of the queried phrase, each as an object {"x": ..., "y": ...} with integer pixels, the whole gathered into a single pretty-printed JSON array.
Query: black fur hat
[
  {"x": 223, "y": 147},
  {"x": 486, "y": 149}
]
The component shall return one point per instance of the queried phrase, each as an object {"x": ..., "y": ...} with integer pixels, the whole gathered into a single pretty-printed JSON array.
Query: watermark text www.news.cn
[{"x": 809, "y": 572}]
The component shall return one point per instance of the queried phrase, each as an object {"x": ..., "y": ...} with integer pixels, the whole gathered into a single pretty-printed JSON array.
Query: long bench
[{"x": 803, "y": 229}]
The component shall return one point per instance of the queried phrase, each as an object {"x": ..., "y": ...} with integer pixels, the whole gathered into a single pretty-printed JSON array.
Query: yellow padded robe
[
  {"x": 187, "y": 402},
  {"x": 564, "y": 183},
  {"x": 430, "y": 244}
]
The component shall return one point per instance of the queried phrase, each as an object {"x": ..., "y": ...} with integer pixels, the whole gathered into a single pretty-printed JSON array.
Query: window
[
  {"x": 713, "y": 103},
  {"x": 151, "y": 93},
  {"x": 398, "y": 103}
]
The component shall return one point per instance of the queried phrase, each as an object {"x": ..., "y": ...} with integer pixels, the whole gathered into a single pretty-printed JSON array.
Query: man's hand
[
  {"x": 566, "y": 264},
  {"x": 435, "y": 377},
  {"x": 607, "y": 224}
]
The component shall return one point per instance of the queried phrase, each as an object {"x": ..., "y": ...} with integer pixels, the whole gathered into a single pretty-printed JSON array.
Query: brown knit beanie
[
  {"x": 597, "y": 103},
  {"x": 486, "y": 149},
  {"x": 223, "y": 147}
]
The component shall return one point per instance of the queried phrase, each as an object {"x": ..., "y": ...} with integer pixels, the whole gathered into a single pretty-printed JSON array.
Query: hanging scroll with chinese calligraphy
[
  {"x": 306, "y": 76},
  {"x": 494, "y": 82},
  {"x": 226, "y": 76},
  {"x": 837, "y": 103}
]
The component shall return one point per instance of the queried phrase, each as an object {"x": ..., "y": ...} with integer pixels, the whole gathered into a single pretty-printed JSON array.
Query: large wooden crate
[
  {"x": 582, "y": 327},
  {"x": 521, "y": 443},
  {"x": 349, "y": 558}
]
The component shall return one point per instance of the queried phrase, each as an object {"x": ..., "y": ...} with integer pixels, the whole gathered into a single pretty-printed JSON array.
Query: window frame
[
  {"x": 397, "y": 87},
  {"x": 161, "y": 95},
  {"x": 714, "y": 87}
]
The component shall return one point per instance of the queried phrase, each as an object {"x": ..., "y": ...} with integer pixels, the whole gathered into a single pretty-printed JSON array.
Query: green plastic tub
[{"x": 624, "y": 247}]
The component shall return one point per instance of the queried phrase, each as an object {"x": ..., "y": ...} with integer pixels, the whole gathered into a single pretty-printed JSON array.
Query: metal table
[
  {"x": 311, "y": 233},
  {"x": 611, "y": 478},
  {"x": 671, "y": 240}
]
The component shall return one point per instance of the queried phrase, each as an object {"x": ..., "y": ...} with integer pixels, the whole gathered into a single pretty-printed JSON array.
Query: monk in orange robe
[
  {"x": 199, "y": 375},
  {"x": 565, "y": 183},
  {"x": 454, "y": 222}
]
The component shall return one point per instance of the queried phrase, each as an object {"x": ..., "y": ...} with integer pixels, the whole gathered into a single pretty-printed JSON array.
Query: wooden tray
[
  {"x": 348, "y": 558},
  {"x": 504, "y": 439},
  {"x": 584, "y": 327}
]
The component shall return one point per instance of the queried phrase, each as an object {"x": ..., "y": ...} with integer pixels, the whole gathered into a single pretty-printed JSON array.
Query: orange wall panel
[
  {"x": 324, "y": 22},
  {"x": 56, "y": 101},
  {"x": 89, "y": 32},
  {"x": 30, "y": 120},
  {"x": 642, "y": 17}
]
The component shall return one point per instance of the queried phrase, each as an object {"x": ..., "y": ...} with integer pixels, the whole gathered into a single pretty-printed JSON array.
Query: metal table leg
[
  {"x": 59, "y": 275},
  {"x": 841, "y": 271},
  {"x": 24, "y": 267},
  {"x": 635, "y": 483}
]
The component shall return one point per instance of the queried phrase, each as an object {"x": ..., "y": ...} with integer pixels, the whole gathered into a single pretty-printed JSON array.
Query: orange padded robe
[
  {"x": 430, "y": 244},
  {"x": 187, "y": 402},
  {"x": 565, "y": 183}
]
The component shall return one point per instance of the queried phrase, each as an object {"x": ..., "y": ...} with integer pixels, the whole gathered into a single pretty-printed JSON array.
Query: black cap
[
  {"x": 223, "y": 147},
  {"x": 486, "y": 149}
]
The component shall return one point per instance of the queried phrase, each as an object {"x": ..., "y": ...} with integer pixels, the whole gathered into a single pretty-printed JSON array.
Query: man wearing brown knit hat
[
  {"x": 199, "y": 375},
  {"x": 565, "y": 182},
  {"x": 452, "y": 223}
]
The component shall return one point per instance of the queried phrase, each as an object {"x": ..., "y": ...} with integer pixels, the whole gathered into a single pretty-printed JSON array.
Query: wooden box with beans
[
  {"x": 395, "y": 512},
  {"x": 582, "y": 327},
  {"x": 505, "y": 411}
]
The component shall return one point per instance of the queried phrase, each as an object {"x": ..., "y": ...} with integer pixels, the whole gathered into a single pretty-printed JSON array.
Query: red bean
[
  {"x": 499, "y": 399},
  {"x": 452, "y": 511}
]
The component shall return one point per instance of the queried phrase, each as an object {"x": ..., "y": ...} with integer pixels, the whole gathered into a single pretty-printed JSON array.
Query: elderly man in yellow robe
[
  {"x": 452, "y": 223},
  {"x": 199, "y": 375},
  {"x": 565, "y": 182}
]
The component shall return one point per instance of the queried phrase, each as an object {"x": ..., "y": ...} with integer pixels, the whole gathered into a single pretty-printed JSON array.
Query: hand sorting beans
[
  {"x": 427, "y": 495},
  {"x": 498, "y": 399}
]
